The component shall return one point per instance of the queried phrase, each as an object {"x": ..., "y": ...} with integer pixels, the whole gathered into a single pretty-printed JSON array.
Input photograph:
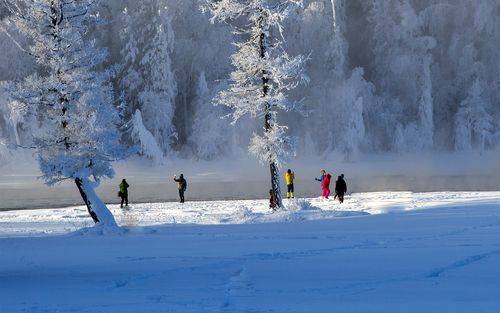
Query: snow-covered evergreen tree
[
  {"x": 13, "y": 65},
  {"x": 339, "y": 118},
  {"x": 20, "y": 123},
  {"x": 147, "y": 142},
  {"x": 337, "y": 54},
  {"x": 210, "y": 135},
  {"x": 5, "y": 126},
  {"x": 352, "y": 96},
  {"x": 148, "y": 80},
  {"x": 130, "y": 78},
  {"x": 15, "y": 124},
  {"x": 419, "y": 83},
  {"x": 403, "y": 72},
  {"x": 72, "y": 101},
  {"x": 264, "y": 75},
  {"x": 473, "y": 122}
]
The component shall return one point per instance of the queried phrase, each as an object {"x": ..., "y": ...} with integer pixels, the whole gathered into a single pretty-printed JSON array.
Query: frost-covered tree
[
  {"x": 146, "y": 141},
  {"x": 352, "y": 96},
  {"x": 70, "y": 98},
  {"x": 5, "y": 126},
  {"x": 19, "y": 122},
  {"x": 15, "y": 126},
  {"x": 339, "y": 118},
  {"x": 417, "y": 84},
  {"x": 337, "y": 53},
  {"x": 211, "y": 136},
  {"x": 473, "y": 122},
  {"x": 352, "y": 92},
  {"x": 15, "y": 65},
  {"x": 197, "y": 47},
  {"x": 466, "y": 34},
  {"x": 148, "y": 80},
  {"x": 403, "y": 72},
  {"x": 133, "y": 128},
  {"x": 264, "y": 75},
  {"x": 130, "y": 78}
]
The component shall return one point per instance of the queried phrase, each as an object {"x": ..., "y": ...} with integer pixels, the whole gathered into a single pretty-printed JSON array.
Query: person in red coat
[{"x": 325, "y": 184}]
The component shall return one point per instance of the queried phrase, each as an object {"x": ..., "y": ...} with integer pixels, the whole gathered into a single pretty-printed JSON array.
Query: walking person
[
  {"x": 123, "y": 193},
  {"x": 340, "y": 188},
  {"x": 181, "y": 185},
  {"x": 325, "y": 184},
  {"x": 289, "y": 178}
]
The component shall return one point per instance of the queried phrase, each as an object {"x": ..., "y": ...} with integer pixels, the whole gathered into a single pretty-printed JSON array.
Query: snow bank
[{"x": 59, "y": 221}]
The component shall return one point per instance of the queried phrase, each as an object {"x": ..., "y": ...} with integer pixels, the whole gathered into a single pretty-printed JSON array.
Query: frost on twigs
[
  {"x": 273, "y": 146},
  {"x": 260, "y": 61},
  {"x": 264, "y": 75},
  {"x": 70, "y": 99}
]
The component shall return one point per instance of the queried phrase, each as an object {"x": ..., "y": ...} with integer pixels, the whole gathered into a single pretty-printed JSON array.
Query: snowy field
[{"x": 379, "y": 252}]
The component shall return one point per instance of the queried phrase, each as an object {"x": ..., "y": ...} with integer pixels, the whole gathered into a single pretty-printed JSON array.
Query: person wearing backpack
[
  {"x": 123, "y": 193},
  {"x": 181, "y": 185}
]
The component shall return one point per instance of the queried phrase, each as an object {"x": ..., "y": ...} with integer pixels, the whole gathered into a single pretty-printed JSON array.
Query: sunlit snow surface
[
  {"x": 58, "y": 221},
  {"x": 379, "y": 252}
]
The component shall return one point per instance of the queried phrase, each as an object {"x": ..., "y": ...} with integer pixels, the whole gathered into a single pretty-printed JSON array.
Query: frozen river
[
  {"x": 27, "y": 192},
  {"x": 233, "y": 179}
]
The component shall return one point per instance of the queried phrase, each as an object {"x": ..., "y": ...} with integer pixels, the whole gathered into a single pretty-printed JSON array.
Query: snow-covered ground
[
  {"x": 379, "y": 252},
  {"x": 64, "y": 220}
]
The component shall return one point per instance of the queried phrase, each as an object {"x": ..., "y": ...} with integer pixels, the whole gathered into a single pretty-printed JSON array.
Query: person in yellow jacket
[{"x": 289, "y": 178}]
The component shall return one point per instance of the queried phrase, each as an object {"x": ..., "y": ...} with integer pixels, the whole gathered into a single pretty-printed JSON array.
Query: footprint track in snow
[{"x": 436, "y": 273}]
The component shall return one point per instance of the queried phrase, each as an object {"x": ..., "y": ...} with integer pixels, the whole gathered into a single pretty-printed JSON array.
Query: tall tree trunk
[
  {"x": 275, "y": 181},
  {"x": 96, "y": 208},
  {"x": 86, "y": 200}
]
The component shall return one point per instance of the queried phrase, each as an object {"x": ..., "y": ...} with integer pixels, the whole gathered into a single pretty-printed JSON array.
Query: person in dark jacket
[
  {"x": 340, "y": 188},
  {"x": 182, "y": 186},
  {"x": 123, "y": 194}
]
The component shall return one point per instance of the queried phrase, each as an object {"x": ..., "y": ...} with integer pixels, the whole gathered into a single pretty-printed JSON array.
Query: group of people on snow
[
  {"x": 123, "y": 190},
  {"x": 340, "y": 186},
  {"x": 324, "y": 179}
]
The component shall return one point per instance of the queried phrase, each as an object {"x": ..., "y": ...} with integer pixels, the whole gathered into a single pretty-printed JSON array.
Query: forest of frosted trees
[{"x": 383, "y": 76}]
